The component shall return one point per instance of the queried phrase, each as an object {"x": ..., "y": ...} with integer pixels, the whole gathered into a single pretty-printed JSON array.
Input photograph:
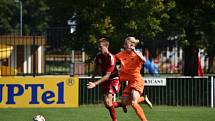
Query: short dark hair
[{"x": 104, "y": 40}]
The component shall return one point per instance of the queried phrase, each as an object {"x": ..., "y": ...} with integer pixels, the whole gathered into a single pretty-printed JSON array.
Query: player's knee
[
  {"x": 135, "y": 95},
  {"x": 133, "y": 102},
  {"x": 107, "y": 106},
  {"x": 108, "y": 103}
]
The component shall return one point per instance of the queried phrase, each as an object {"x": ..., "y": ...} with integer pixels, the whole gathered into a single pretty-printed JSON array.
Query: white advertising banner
[{"x": 155, "y": 81}]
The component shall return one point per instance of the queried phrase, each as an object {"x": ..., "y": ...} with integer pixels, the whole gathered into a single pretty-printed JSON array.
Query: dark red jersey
[{"x": 107, "y": 63}]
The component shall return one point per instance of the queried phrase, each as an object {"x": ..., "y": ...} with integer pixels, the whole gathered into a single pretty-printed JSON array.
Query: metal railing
[
  {"x": 178, "y": 91},
  {"x": 41, "y": 55},
  {"x": 21, "y": 54}
]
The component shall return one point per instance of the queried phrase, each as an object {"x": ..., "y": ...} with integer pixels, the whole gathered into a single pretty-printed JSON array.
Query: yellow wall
[{"x": 44, "y": 91}]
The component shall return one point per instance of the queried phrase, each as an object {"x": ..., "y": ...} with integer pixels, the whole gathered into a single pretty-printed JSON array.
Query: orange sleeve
[{"x": 118, "y": 56}]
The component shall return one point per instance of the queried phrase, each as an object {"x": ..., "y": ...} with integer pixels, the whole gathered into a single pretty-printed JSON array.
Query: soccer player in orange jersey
[
  {"x": 106, "y": 62},
  {"x": 131, "y": 62}
]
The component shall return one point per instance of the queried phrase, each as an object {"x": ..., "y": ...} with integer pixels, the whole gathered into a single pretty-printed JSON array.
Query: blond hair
[{"x": 132, "y": 40}]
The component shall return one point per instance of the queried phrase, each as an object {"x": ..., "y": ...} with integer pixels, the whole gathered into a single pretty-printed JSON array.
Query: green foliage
[
  {"x": 34, "y": 14},
  {"x": 8, "y": 16},
  {"x": 192, "y": 21},
  {"x": 118, "y": 19},
  {"x": 195, "y": 18}
]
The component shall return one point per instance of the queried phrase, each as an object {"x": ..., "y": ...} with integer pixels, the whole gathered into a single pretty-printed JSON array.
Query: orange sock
[
  {"x": 141, "y": 99},
  {"x": 139, "y": 111}
]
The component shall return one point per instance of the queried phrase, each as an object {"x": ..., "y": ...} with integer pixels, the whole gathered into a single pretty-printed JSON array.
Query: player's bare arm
[
  {"x": 139, "y": 54},
  {"x": 104, "y": 78},
  {"x": 95, "y": 71}
]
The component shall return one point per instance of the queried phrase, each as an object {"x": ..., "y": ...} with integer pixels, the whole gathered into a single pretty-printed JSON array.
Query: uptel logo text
[{"x": 47, "y": 96}]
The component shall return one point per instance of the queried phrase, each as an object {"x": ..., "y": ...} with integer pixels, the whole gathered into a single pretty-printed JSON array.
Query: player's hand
[
  {"x": 91, "y": 85},
  {"x": 132, "y": 48}
]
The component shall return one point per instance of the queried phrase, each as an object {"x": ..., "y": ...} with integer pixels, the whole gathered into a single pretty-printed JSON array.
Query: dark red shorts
[{"x": 111, "y": 86}]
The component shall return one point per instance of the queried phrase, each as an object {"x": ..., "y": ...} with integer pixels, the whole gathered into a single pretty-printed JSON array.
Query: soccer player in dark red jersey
[{"x": 106, "y": 62}]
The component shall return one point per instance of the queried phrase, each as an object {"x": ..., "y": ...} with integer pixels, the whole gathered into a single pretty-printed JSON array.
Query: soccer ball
[{"x": 39, "y": 118}]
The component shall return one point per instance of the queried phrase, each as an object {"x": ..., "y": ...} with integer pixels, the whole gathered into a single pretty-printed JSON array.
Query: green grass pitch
[{"x": 99, "y": 113}]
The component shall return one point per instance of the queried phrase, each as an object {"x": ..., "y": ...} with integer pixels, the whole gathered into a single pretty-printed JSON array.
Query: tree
[
  {"x": 8, "y": 20},
  {"x": 208, "y": 28},
  {"x": 35, "y": 16},
  {"x": 191, "y": 17},
  {"x": 117, "y": 19}
]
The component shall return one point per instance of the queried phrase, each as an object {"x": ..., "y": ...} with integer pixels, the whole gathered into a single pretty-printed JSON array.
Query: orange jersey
[
  {"x": 130, "y": 71},
  {"x": 130, "y": 63}
]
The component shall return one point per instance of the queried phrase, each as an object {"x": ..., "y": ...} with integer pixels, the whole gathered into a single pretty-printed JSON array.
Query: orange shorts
[{"x": 134, "y": 82}]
